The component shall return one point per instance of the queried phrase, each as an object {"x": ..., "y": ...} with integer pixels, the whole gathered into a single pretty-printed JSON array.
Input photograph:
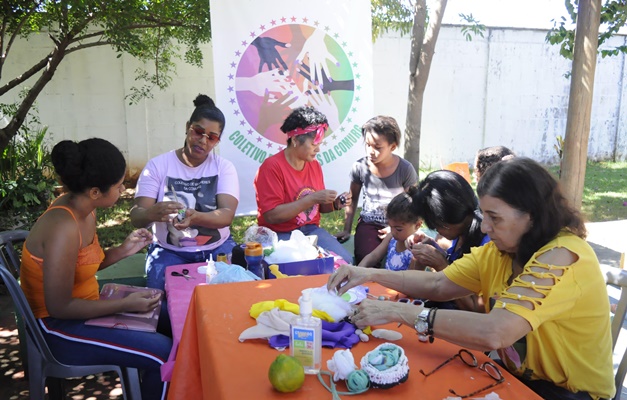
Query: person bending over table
[
  {"x": 61, "y": 256},
  {"x": 448, "y": 204},
  {"x": 548, "y": 310},
  {"x": 289, "y": 186}
]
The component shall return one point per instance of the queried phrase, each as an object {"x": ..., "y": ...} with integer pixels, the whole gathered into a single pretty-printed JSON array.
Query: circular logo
[{"x": 291, "y": 64}]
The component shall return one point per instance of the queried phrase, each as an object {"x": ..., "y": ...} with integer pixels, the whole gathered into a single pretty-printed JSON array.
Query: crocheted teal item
[
  {"x": 357, "y": 381},
  {"x": 384, "y": 358}
]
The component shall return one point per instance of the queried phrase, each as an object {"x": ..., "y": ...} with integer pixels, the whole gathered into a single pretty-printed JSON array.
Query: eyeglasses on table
[{"x": 470, "y": 360}]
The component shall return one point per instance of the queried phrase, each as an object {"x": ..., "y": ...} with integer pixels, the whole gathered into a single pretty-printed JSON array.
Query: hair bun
[{"x": 202, "y": 100}]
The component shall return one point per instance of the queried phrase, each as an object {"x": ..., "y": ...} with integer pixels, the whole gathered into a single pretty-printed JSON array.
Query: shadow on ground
[{"x": 13, "y": 384}]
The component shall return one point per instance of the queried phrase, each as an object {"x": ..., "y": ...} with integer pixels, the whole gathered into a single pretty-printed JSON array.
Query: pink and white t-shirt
[{"x": 197, "y": 188}]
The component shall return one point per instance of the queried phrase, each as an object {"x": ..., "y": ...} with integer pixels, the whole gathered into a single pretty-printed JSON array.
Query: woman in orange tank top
[{"x": 62, "y": 255}]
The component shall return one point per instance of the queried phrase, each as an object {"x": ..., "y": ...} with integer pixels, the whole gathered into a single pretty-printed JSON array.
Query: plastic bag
[
  {"x": 232, "y": 273},
  {"x": 298, "y": 248},
  {"x": 266, "y": 236}
]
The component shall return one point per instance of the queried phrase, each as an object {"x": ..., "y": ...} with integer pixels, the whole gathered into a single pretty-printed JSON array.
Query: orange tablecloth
[{"x": 213, "y": 364}]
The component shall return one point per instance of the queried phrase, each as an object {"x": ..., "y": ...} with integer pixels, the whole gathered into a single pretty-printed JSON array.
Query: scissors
[{"x": 184, "y": 274}]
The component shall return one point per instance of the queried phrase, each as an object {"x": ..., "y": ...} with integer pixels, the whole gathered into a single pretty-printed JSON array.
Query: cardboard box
[{"x": 316, "y": 266}]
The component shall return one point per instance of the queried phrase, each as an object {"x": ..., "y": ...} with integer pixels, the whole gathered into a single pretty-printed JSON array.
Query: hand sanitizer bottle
[
  {"x": 306, "y": 336},
  {"x": 211, "y": 269}
]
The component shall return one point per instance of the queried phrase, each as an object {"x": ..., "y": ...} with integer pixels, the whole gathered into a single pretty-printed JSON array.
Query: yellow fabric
[
  {"x": 570, "y": 343},
  {"x": 284, "y": 305},
  {"x": 85, "y": 284}
]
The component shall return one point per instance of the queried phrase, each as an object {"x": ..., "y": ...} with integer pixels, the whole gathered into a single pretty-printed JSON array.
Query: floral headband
[{"x": 320, "y": 129}]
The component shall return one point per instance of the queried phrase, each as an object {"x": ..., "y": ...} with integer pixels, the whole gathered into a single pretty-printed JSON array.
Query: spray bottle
[
  {"x": 211, "y": 269},
  {"x": 306, "y": 336}
]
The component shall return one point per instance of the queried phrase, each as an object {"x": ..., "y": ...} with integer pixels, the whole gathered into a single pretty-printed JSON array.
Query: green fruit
[{"x": 286, "y": 374}]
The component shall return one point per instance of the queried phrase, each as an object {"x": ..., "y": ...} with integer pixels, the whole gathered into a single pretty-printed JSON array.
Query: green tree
[
  {"x": 157, "y": 32},
  {"x": 613, "y": 18}
]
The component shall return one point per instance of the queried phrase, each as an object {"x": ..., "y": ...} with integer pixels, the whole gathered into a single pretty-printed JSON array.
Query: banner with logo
[{"x": 273, "y": 56}]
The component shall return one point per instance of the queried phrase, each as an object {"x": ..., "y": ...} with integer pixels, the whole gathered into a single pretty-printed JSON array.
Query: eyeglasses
[
  {"x": 200, "y": 132},
  {"x": 469, "y": 359}
]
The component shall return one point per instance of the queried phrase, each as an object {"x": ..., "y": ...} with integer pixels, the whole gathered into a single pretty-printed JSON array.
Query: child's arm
[
  {"x": 349, "y": 213},
  {"x": 372, "y": 259}
]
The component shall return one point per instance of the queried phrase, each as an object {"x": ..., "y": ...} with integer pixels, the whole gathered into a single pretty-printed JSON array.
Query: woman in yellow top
[
  {"x": 61, "y": 256},
  {"x": 547, "y": 310}
]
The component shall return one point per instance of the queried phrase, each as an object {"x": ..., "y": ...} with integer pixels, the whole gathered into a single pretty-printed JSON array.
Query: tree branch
[
  {"x": 19, "y": 27},
  {"x": 26, "y": 75},
  {"x": 87, "y": 45}
]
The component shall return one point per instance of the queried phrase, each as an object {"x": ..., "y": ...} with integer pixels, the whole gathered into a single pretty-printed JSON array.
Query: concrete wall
[{"x": 507, "y": 88}]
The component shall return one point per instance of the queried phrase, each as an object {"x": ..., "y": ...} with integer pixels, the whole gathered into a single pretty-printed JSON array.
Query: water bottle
[{"x": 253, "y": 253}]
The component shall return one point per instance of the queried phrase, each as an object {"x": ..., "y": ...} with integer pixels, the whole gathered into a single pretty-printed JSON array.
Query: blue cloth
[
  {"x": 325, "y": 240},
  {"x": 73, "y": 342},
  {"x": 334, "y": 334},
  {"x": 396, "y": 261}
]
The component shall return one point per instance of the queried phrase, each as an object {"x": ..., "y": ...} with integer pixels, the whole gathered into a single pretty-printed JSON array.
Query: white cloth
[{"x": 269, "y": 323}]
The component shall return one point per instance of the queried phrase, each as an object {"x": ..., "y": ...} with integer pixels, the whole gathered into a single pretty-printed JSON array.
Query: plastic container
[
  {"x": 253, "y": 253},
  {"x": 306, "y": 336},
  {"x": 211, "y": 271}
]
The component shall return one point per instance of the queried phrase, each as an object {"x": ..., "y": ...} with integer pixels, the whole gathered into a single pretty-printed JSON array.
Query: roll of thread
[{"x": 253, "y": 253}]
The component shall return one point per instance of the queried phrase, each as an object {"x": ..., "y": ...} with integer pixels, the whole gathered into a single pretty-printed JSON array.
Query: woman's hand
[
  {"x": 427, "y": 254},
  {"x": 348, "y": 276},
  {"x": 141, "y": 301},
  {"x": 343, "y": 200},
  {"x": 343, "y": 236},
  {"x": 324, "y": 196},
  {"x": 378, "y": 312},
  {"x": 136, "y": 240},
  {"x": 164, "y": 211}
]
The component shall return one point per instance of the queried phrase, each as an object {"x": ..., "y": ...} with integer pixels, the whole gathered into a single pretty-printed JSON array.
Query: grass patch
[{"x": 604, "y": 199}]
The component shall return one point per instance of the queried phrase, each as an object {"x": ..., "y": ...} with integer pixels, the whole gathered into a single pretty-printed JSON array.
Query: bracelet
[
  {"x": 333, "y": 205},
  {"x": 430, "y": 321}
]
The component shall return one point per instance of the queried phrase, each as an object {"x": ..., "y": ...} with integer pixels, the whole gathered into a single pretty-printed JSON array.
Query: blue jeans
[
  {"x": 158, "y": 258},
  {"x": 325, "y": 240},
  {"x": 73, "y": 342}
]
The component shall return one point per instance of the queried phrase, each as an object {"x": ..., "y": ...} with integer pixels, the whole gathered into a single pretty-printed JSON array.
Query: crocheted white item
[
  {"x": 341, "y": 364},
  {"x": 394, "y": 373}
]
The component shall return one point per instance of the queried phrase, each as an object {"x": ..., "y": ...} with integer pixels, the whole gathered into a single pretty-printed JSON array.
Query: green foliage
[
  {"x": 392, "y": 15},
  {"x": 475, "y": 28},
  {"x": 26, "y": 173},
  {"x": 559, "y": 149},
  {"x": 613, "y": 18},
  {"x": 158, "y": 33}
]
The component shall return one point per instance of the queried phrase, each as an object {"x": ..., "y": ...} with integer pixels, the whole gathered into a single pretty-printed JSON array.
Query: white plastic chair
[
  {"x": 41, "y": 362},
  {"x": 616, "y": 278}
]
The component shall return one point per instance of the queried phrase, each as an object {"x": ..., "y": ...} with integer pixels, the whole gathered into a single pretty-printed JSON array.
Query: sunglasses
[
  {"x": 470, "y": 360},
  {"x": 200, "y": 132}
]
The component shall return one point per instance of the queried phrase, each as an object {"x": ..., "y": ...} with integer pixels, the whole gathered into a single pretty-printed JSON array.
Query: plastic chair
[
  {"x": 41, "y": 362},
  {"x": 461, "y": 168},
  {"x": 617, "y": 278},
  {"x": 9, "y": 242}
]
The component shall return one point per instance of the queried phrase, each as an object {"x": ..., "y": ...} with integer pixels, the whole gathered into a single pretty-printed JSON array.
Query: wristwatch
[{"x": 422, "y": 324}]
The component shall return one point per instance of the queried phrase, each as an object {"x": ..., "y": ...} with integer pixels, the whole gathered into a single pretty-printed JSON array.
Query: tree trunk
[
  {"x": 422, "y": 51},
  {"x": 573, "y": 168},
  {"x": 7, "y": 133}
]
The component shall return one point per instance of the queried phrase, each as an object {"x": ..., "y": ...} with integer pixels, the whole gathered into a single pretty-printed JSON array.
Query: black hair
[
  {"x": 446, "y": 198},
  {"x": 302, "y": 117},
  {"x": 528, "y": 187},
  {"x": 401, "y": 209},
  {"x": 383, "y": 126},
  {"x": 206, "y": 108},
  {"x": 489, "y": 156},
  {"x": 89, "y": 163}
]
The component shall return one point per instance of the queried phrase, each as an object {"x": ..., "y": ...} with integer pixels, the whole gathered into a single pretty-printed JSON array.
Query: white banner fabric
[{"x": 272, "y": 56}]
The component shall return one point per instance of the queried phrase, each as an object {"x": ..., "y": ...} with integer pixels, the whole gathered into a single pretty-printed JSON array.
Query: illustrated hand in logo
[
  {"x": 316, "y": 50},
  {"x": 268, "y": 81},
  {"x": 268, "y": 54}
]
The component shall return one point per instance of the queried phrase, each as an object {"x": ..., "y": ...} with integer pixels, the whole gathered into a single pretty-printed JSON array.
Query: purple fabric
[{"x": 334, "y": 334}]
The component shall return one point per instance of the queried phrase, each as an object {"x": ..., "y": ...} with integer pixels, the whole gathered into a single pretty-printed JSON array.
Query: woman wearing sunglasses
[
  {"x": 189, "y": 197},
  {"x": 547, "y": 309},
  {"x": 289, "y": 186}
]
